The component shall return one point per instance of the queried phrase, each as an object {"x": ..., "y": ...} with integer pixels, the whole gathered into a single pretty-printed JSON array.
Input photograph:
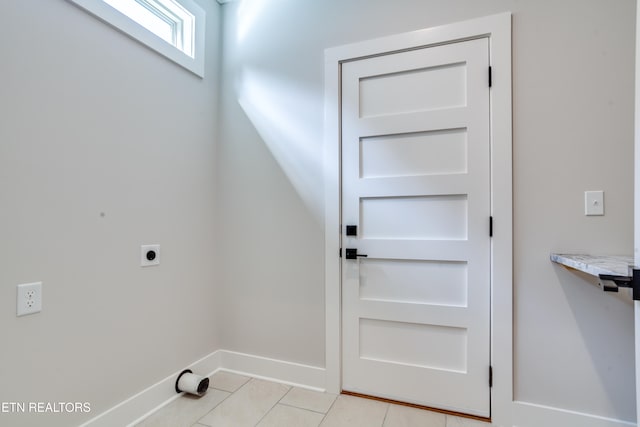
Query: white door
[{"x": 416, "y": 186}]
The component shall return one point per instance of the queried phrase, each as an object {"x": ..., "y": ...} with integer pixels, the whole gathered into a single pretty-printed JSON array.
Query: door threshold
[{"x": 413, "y": 405}]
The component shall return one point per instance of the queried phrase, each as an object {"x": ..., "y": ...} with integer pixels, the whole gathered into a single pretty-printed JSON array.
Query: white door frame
[
  {"x": 498, "y": 29},
  {"x": 636, "y": 198}
]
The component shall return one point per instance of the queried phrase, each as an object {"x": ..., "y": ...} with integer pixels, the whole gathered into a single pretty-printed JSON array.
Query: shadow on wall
[
  {"x": 604, "y": 320},
  {"x": 275, "y": 108}
]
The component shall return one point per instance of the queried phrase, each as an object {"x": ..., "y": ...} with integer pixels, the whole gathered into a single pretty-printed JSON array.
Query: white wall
[
  {"x": 93, "y": 122},
  {"x": 573, "y": 70}
]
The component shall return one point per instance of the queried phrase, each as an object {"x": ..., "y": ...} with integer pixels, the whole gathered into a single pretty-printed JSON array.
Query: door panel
[
  {"x": 395, "y": 92},
  {"x": 401, "y": 217},
  {"x": 414, "y": 154},
  {"x": 414, "y": 281},
  {"x": 415, "y": 182},
  {"x": 433, "y": 346}
]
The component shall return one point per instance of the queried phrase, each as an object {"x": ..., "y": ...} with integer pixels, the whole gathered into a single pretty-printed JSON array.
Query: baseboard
[
  {"x": 149, "y": 400},
  {"x": 531, "y": 415},
  {"x": 142, "y": 404},
  {"x": 290, "y": 373}
]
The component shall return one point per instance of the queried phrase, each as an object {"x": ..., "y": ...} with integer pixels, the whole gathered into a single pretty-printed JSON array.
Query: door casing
[{"x": 498, "y": 29}]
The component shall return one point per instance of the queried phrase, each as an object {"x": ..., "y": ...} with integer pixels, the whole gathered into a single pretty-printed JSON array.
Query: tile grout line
[
  {"x": 386, "y": 412},
  {"x": 274, "y": 405},
  {"x": 329, "y": 410},
  {"x": 289, "y": 405},
  {"x": 231, "y": 393}
]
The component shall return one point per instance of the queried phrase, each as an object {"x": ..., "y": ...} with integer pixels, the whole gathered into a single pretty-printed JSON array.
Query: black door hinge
[
  {"x": 490, "y": 226},
  {"x": 490, "y": 376},
  {"x": 490, "y": 79},
  {"x": 340, "y": 253}
]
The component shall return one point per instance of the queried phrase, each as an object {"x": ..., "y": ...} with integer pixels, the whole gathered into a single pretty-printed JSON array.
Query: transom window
[
  {"x": 165, "y": 18},
  {"x": 173, "y": 28}
]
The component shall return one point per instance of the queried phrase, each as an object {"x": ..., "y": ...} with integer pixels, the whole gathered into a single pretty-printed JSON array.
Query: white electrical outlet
[
  {"x": 29, "y": 298},
  {"x": 149, "y": 255}
]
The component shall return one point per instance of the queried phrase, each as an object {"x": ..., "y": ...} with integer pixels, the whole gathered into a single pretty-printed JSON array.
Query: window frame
[{"x": 136, "y": 31}]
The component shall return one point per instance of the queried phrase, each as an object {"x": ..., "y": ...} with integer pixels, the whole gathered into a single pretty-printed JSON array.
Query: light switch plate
[{"x": 594, "y": 203}]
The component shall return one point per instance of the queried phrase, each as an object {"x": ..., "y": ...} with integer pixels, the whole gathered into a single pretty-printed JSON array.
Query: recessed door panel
[
  {"x": 413, "y": 154},
  {"x": 424, "y": 89},
  {"x": 414, "y": 281},
  {"x": 419, "y": 345},
  {"x": 415, "y": 218}
]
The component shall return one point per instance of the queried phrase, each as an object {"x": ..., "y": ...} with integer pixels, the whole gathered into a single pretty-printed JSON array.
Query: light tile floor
[{"x": 238, "y": 401}]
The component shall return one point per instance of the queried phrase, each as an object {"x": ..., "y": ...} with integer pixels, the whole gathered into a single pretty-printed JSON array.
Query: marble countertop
[{"x": 595, "y": 264}]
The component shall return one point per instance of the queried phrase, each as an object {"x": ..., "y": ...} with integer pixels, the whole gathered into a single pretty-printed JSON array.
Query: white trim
[
  {"x": 142, "y": 404},
  {"x": 149, "y": 400},
  {"x": 121, "y": 22},
  {"x": 498, "y": 29},
  {"x": 532, "y": 415},
  {"x": 294, "y": 374},
  {"x": 332, "y": 274},
  {"x": 636, "y": 203}
]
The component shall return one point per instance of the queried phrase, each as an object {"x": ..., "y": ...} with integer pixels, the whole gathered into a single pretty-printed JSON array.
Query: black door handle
[{"x": 353, "y": 254}]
